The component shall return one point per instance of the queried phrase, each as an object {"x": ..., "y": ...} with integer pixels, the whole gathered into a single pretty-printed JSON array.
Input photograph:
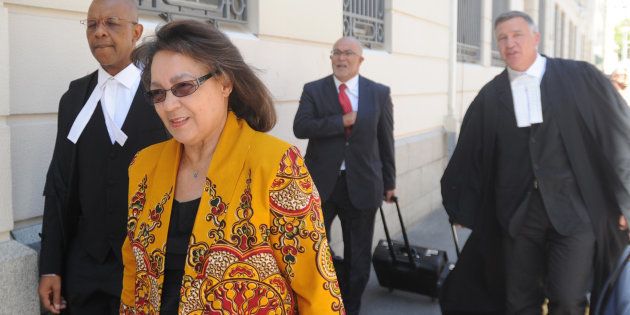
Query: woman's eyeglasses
[{"x": 180, "y": 89}]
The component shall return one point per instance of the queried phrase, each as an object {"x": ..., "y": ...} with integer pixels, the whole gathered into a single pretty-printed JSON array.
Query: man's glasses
[
  {"x": 180, "y": 89},
  {"x": 338, "y": 53},
  {"x": 112, "y": 23}
]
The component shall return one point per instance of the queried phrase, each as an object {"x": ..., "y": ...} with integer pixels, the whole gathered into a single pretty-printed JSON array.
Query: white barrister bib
[
  {"x": 86, "y": 113},
  {"x": 116, "y": 95},
  {"x": 527, "y": 103}
]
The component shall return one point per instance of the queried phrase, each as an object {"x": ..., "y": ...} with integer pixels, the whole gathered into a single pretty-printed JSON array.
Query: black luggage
[{"x": 401, "y": 266}]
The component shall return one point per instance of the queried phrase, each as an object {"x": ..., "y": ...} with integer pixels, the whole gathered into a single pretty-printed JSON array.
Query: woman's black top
[{"x": 179, "y": 231}]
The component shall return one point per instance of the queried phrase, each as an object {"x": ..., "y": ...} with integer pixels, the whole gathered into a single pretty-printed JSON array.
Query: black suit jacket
[
  {"x": 62, "y": 209},
  {"x": 594, "y": 123},
  {"x": 368, "y": 152}
]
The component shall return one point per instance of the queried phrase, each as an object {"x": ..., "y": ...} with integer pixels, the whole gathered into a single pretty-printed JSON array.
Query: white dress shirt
[
  {"x": 526, "y": 92},
  {"x": 115, "y": 94},
  {"x": 352, "y": 91}
]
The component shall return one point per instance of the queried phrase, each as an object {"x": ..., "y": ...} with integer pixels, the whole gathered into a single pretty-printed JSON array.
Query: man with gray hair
[
  {"x": 103, "y": 121},
  {"x": 348, "y": 121},
  {"x": 543, "y": 166}
]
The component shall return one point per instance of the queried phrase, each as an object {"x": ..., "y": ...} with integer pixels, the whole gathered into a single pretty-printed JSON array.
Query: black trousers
[
  {"x": 91, "y": 287},
  {"x": 357, "y": 226},
  {"x": 542, "y": 263}
]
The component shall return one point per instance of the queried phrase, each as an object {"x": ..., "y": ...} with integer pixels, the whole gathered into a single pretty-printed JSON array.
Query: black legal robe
[
  {"x": 102, "y": 223},
  {"x": 594, "y": 123}
]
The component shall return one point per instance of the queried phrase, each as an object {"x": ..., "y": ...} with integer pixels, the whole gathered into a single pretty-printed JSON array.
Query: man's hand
[
  {"x": 349, "y": 119},
  {"x": 50, "y": 293},
  {"x": 389, "y": 195}
]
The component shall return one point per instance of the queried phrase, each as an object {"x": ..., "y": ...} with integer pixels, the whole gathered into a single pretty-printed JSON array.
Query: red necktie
[{"x": 346, "y": 106}]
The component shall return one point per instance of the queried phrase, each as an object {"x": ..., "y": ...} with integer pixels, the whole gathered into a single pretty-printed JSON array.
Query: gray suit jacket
[{"x": 368, "y": 152}]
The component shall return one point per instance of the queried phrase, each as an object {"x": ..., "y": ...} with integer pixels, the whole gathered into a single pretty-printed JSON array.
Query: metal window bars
[
  {"x": 234, "y": 11},
  {"x": 365, "y": 21},
  {"x": 469, "y": 31}
]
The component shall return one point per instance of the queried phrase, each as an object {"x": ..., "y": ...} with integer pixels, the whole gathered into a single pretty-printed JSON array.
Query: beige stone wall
[
  {"x": 47, "y": 49},
  {"x": 287, "y": 40},
  {"x": 43, "y": 48},
  {"x": 6, "y": 213}
]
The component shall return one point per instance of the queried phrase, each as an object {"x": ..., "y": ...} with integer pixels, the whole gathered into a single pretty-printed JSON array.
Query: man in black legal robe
[
  {"x": 104, "y": 119},
  {"x": 541, "y": 173}
]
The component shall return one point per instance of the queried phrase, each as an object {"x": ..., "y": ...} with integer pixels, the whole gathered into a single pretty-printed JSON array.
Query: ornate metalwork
[
  {"x": 213, "y": 10},
  {"x": 469, "y": 31},
  {"x": 468, "y": 53},
  {"x": 365, "y": 21},
  {"x": 496, "y": 60}
]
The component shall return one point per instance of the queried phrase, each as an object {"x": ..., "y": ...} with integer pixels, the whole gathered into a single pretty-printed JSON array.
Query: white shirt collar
[
  {"x": 128, "y": 77},
  {"x": 537, "y": 69},
  {"x": 352, "y": 84}
]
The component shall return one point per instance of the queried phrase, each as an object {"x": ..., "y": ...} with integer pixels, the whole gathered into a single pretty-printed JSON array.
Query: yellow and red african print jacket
[{"x": 258, "y": 245}]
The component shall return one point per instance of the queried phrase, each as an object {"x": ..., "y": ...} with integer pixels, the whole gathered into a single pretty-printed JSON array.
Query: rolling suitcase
[{"x": 401, "y": 266}]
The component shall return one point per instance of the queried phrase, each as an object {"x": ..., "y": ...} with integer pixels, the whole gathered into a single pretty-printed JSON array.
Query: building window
[
  {"x": 469, "y": 31},
  {"x": 498, "y": 7},
  {"x": 585, "y": 48},
  {"x": 213, "y": 10},
  {"x": 558, "y": 50},
  {"x": 365, "y": 21},
  {"x": 572, "y": 39},
  {"x": 542, "y": 19}
]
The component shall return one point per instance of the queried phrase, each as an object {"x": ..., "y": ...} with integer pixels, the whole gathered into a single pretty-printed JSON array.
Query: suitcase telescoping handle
[
  {"x": 455, "y": 237},
  {"x": 390, "y": 244}
]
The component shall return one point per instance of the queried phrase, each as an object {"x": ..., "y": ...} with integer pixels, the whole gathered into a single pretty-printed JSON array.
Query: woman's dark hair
[{"x": 250, "y": 99}]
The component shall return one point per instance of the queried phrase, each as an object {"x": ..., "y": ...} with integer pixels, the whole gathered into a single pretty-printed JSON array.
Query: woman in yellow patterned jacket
[{"x": 223, "y": 218}]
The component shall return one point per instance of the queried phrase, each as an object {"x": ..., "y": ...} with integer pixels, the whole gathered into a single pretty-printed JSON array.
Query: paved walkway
[{"x": 431, "y": 231}]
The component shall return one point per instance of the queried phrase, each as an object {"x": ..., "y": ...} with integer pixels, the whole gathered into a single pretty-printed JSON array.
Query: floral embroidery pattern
[
  {"x": 244, "y": 232},
  {"x": 235, "y": 275},
  {"x": 235, "y": 284},
  {"x": 294, "y": 199},
  {"x": 217, "y": 211},
  {"x": 247, "y": 251},
  {"x": 149, "y": 267}
]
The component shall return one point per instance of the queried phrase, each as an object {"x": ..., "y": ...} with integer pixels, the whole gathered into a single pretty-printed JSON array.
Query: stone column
[
  {"x": 487, "y": 31},
  {"x": 18, "y": 263},
  {"x": 6, "y": 207}
]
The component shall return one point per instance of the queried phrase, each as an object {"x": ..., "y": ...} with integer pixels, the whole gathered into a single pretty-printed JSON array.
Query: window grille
[
  {"x": 469, "y": 31},
  {"x": 498, "y": 7},
  {"x": 365, "y": 21},
  {"x": 214, "y": 10}
]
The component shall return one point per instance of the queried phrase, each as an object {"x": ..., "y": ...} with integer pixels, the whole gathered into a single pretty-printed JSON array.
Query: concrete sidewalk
[{"x": 431, "y": 231}]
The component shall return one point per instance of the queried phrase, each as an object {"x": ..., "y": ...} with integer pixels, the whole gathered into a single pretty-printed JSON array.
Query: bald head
[
  {"x": 129, "y": 6},
  {"x": 113, "y": 33},
  {"x": 352, "y": 42},
  {"x": 346, "y": 58}
]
